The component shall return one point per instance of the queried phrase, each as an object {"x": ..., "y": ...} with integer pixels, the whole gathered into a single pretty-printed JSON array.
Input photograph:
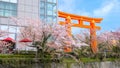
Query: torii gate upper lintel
[{"x": 68, "y": 17}]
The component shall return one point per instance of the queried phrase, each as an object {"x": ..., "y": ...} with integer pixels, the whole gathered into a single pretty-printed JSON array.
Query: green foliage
[
  {"x": 89, "y": 60},
  {"x": 16, "y": 56},
  {"x": 84, "y": 51},
  {"x": 23, "y": 52},
  {"x": 15, "y": 62},
  {"x": 68, "y": 60},
  {"x": 116, "y": 49}
]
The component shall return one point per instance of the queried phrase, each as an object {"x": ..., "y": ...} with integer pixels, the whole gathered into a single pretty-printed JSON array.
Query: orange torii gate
[{"x": 68, "y": 17}]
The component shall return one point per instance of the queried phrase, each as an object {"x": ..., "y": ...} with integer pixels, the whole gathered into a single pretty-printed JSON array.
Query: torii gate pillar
[
  {"x": 93, "y": 39},
  {"x": 80, "y": 19}
]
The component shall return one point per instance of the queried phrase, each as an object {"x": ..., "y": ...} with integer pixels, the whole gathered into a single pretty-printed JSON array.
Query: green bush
[
  {"x": 15, "y": 62},
  {"x": 16, "y": 56},
  {"x": 23, "y": 52}
]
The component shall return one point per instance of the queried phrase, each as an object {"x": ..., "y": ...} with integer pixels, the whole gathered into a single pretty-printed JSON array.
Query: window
[
  {"x": 49, "y": 18},
  {"x": 1, "y": 5},
  {"x": 49, "y": 12},
  {"x": 5, "y": 0},
  {"x": 54, "y": 8},
  {"x": 18, "y": 29},
  {"x": 12, "y": 36},
  {"x": 54, "y": 11},
  {"x": 7, "y": 13},
  {"x": 42, "y": 0},
  {"x": 12, "y": 29},
  {"x": 4, "y": 27},
  {"x": 8, "y": 9},
  {"x": 49, "y": 0},
  {"x": 42, "y": 11},
  {"x": 42, "y": 4},
  {"x": 55, "y": 1},
  {"x": 55, "y": 20},
  {"x": 42, "y": 17},
  {"x": 1, "y": 12},
  {"x": 12, "y": 1},
  {"x": 54, "y": 14},
  {"x": 49, "y": 6},
  {"x": 12, "y": 7}
]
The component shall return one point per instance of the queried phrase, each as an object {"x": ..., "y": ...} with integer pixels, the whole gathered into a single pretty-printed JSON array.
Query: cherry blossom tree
[
  {"x": 46, "y": 37},
  {"x": 117, "y": 35},
  {"x": 4, "y": 45},
  {"x": 83, "y": 38},
  {"x": 107, "y": 40},
  {"x": 36, "y": 31},
  {"x": 3, "y": 33},
  {"x": 104, "y": 41}
]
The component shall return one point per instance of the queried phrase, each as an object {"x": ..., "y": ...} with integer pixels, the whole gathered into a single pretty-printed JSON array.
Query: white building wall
[
  {"x": 28, "y": 9},
  {"x": 4, "y": 20}
]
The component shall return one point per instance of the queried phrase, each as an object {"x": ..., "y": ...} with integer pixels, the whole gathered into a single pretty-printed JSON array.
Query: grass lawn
[
  {"x": 68, "y": 60},
  {"x": 90, "y": 59}
]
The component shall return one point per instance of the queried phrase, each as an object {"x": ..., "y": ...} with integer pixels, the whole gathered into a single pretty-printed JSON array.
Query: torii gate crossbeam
[{"x": 68, "y": 17}]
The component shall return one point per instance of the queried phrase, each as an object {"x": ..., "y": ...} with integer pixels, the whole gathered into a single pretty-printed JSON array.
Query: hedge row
[{"x": 16, "y": 56}]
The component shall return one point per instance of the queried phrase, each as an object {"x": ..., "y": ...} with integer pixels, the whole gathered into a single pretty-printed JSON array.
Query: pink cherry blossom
[{"x": 35, "y": 30}]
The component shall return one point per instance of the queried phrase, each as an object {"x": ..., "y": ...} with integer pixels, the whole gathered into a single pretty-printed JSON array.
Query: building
[{"x": 46, "y": 10}]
